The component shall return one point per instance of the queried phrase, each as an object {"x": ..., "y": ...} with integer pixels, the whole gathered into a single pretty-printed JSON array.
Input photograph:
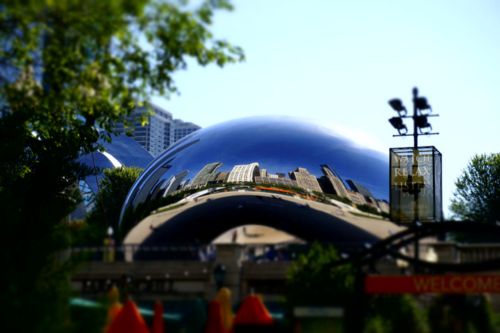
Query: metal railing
[
  {"x": 477, "y": 252},
  {"x": 136, "y": 252},
  {"x": 447, "y": 252}
]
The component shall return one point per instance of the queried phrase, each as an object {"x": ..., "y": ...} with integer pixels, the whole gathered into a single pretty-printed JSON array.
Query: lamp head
[
  {"x": 422, "y": 104},
  {"x": 397, "y": 105},
  {"x": 421, "y": 122},
  {"x": 398, "y": 124}
]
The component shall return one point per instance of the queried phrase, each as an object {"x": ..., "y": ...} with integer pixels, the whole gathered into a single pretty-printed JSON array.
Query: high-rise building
[
  {"x": 358, "y": 187},
  {"x": 244, "y": 173},
  {"x": 305, "y": 180},
  {"x": 362, "y": 190},
  {"x": 263, "y": 172},
  {"x": 331, "y": 182},
  {"x": 206, "y": 174},
  {"x": 221, "y": 177},
  {"x": 356, "y": 198},
  {"x": 160, "y": 131},
  {"x": 276, "y": 181},
  {"x": 181, "y": 129},
  {"x": 174, "y": 182}
]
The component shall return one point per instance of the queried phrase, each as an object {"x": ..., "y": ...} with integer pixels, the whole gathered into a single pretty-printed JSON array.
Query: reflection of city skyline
[
  {"x": 290, "y": 157},
  {"x": 329, "y": 183}
]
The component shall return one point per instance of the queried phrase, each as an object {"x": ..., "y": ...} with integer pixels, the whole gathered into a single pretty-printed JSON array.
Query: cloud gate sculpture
[{"x": 281, "y": 174}]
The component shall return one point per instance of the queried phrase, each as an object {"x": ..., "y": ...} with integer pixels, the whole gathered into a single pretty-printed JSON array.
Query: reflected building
[
  {"x": 305, "y": 180},
  {"x": 221, "y": 177},
  {"x": 207, "y": 174},
  {"x": 356, "y": 198},
  {"x": 359, "y": 189},
  {"x": 332, "y": 183},
  {"x": 244, "y": 173},
  {"x": 175, "y": 182},
  {"x": 272, "y": 179},
  {"x": 383, "y": 205}
]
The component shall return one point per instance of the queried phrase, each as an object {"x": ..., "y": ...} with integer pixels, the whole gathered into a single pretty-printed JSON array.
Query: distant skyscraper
[
  {"x": 221, "y": 177},
  {"x": 244, "y": 173},
  {"x": 357, "y": 198},
  {"x": 174, "y": 182},
  {"x": 305, "y": 180},
  {"x": 181, "y": 129},
  {"x": 331, "y": 182},
  {"x": 161, "y": 130},
  {"x": 276, "y": 181},
  {"x": 206, "y": 174},
  {"x": 263, "y": 172},
  {"x": 357, "y": 187},
  {"x": 362, "y": 190}
]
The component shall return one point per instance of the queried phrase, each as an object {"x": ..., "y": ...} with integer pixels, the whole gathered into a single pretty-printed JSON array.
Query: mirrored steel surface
[{"x": 278, "y": 161}]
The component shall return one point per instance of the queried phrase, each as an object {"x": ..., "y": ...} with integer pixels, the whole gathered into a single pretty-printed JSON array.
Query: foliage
[
  {"x": 88, "y": 319},
  {"x": 368, "y": 209},
  {"x": 339, "y": 198},
  {"x": 312, "y": 281},
  {"x": 477, "y": 194},
  {"x": 68, "y": 70},
  {"x": 394, "y": 313},
  {"x": 461, "y": 313},
  {"x": 144, "y": 209},
  {"x": 114, "y": 188},
  {"x": 376, "y": 324}
]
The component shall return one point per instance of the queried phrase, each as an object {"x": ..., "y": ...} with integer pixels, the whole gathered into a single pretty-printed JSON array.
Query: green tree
[
  {"x": 108, "y": 203},
  {"x": 312, "y": 281},
  {"x": 395, "y": 313},
  {"x": 315, "y": 280},
  {"x": 69, "y": 69},
  {"x": 461, "y": 313},
  {"x": 477, "y": 194}
]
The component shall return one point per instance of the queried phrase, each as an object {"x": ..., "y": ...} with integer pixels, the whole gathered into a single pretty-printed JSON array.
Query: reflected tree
[{"x": 113, "y": 190}]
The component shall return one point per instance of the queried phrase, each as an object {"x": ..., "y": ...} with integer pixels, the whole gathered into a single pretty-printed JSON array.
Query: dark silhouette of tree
[
  {"x": 477, "y": 194},
  {"x": 311, "y": 281},
  {"x": 461, "y": 313},
  {"x": 69, "y": 69},
  {"x": 113, "y": 189},
  {"x": 315, "y": 280}
]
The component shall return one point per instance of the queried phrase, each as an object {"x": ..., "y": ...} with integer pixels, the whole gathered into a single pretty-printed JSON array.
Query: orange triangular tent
[
  {"x": 215, "y": 322},
  {"x": 224, "y": 297},
  {"x": 158, "y": 321},
  {"x": 253, "y": 312},
  {"x": 114, "y": 306},
  {"x": 128, "y": 320}
]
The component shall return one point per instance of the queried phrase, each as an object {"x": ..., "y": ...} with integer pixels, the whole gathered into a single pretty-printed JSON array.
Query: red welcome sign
[{"x": 442, "y": 284}]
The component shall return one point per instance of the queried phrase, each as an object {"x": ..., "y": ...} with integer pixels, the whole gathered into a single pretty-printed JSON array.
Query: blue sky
[{"x": 338, "y": 62}]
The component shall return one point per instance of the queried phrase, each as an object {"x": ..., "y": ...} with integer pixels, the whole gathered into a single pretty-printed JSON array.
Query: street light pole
[
  {"x": 416, "y": 189},
  {"x": 414, "y": 181},
  {"x": 415, "y": 111}
]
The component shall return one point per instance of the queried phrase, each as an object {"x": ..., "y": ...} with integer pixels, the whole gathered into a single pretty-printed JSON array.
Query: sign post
[
  {"x": 415, "y": 185},
  {"x": 413, "y": 181},
  {"x": 434, "y": 284}
]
